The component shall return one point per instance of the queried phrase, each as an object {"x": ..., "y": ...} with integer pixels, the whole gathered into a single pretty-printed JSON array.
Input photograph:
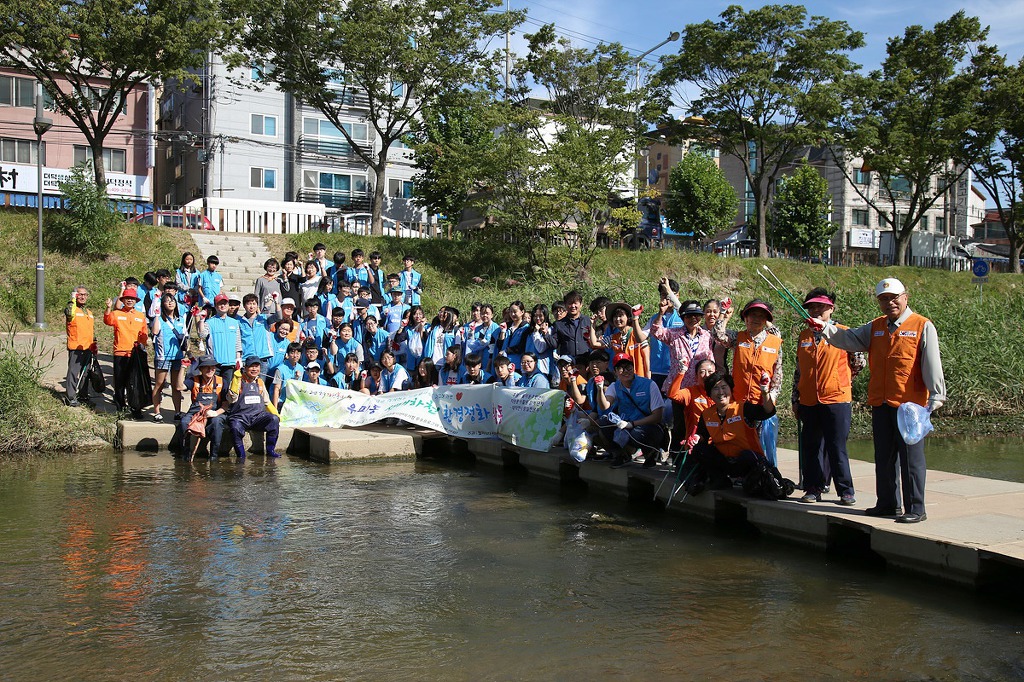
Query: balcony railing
[
  {"x": 339, "y": 150},
  {"x": 350, "y": 202}
]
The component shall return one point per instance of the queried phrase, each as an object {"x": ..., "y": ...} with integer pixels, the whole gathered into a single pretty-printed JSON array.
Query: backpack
[{"x": 766, "y": 481}]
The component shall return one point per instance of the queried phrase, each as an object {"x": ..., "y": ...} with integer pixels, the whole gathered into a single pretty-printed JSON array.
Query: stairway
[{"x": 241, "y": 258}]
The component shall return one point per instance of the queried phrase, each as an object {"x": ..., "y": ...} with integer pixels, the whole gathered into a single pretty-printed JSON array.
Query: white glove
[
  {"x": 934, "y": 405},
  {"x": 624, "y": 425}
]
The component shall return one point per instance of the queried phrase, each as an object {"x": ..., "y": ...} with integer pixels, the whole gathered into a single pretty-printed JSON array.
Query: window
[
  {"x": 398, "y": 144},
  {"x": 255, "y": 74},
  {"x": 924, "y": 223},
  {"x": 400, "y": 188},
  {"x": 860, "y": 217},
  {"x": 320, "y": 128},
  {"x": 263, "y": 125},
  {"x": 114, "y": 160},
  {"x": 19, "y": 151},
  {"x": 658, "y": 156},
  {"x": 17, "y": 92},
  {"x": 861, "y": 177},
  {"x": 940, "y": 225},
  {"x": 899, "y": 185},
  {"x": 334, "y": 182},
  {"x": 263, "y": 178},
  {"x": 398, "y": 89}
]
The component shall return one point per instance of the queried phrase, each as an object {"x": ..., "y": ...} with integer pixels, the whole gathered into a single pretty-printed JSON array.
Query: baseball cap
[
  {"x": 313, "y": 365},
  {"x": 288, "y": 301},
  {"x": 691, "y": 309},
  {"x": 622, "y": 357},
  {"x": 220, "y": 298},
  {"x": 890, "y": 285},
  {"x": 565, "y": 360},
  {"x": 130, "y": 293},
  {"x": 252, "y": 360},
  {"x": 235, "y": 296}
]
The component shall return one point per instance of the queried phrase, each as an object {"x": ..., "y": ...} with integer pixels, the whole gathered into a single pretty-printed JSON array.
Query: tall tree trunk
[
  {"x": 377, "y": 208},
  {"x": 902, "y": 242},
  {"x": 99, "y": 171},
  {"x": 1015, "y": 244},
  {"x": 762, "y": 232}
]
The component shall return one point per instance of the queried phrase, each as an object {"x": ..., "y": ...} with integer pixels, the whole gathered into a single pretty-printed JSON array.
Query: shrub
[{"x": 90, "y": 225}]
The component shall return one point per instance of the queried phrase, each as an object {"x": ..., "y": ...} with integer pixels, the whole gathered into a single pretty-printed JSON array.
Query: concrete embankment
[{"x": 974, "y": 535}]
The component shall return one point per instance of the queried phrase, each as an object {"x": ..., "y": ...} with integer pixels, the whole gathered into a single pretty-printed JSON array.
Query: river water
[{"x": 116, "y": 567}]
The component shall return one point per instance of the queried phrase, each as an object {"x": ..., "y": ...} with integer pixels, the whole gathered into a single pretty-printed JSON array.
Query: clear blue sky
[{"x": 642, "y": 24}]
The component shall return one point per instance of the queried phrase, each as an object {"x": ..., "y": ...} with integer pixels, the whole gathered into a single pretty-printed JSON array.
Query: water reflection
[{"x": 123, "y": 567}]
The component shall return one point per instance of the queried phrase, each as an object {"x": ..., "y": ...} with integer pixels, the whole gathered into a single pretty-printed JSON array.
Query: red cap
[
  {"x": 621, "y": 357},
  {"x": 220, "y": 297},
  {"x": 819, "y": 299},
  {"x": 130, "y": 293}
]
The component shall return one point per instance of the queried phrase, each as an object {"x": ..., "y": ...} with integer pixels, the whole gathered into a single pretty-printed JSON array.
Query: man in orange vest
[
  {"x": 822, "y": 395},
  {"x": 903, "y": 357},
  {"x": 81, "y": 346},
  {"x": 129, "y": 330}
]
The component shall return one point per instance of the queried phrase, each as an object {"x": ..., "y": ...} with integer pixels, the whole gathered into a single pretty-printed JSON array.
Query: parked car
[{"x": 192, "y": 221}]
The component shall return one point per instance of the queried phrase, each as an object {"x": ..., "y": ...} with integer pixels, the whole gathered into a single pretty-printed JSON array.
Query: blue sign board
[{"x": 980, "y": 268}]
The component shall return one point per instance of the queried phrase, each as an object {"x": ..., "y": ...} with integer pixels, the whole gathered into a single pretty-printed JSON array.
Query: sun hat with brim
[
  {"x": 621, "y": 358},
  {"x": 757, "y": 305},
  {"x": 613, "y": 308},
  {"x": 208, "y": 361},
  {"x": 824, "y": 300},
  {"x": 691, "y": 309},
  {"x": 130, "y": 293}
]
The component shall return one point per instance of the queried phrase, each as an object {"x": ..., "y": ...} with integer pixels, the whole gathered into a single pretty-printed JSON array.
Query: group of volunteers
[{"x": 680, "y": 381}]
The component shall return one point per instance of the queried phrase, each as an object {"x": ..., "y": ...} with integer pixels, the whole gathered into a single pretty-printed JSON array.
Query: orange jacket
[
  {"x": 825, "y": 376},
  {"x": 80, "y": 328},
  {"x": 749, "y": 361},
  {"x": 895, "y": 363},
  {"x": 694, "y": 401},
  {"x": 129, "y": 329},
  {"x": 731, "y": 434}
]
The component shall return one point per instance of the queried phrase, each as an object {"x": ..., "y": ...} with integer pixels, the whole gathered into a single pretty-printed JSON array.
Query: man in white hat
[{"x": 905, "y": 366}]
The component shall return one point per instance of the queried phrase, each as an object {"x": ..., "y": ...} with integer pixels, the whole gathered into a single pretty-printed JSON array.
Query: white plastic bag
[
  {"x": 914, "y": 422},
  {"x": 577, "y": 440}
]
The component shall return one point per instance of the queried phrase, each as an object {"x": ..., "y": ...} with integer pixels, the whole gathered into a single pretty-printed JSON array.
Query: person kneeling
[
  {"x": 635, "y": 419},
  {"x": 728, "y": 445},
  {"x": 251, "y": 408}
]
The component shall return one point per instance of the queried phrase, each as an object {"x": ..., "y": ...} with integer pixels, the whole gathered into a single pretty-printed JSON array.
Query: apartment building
[
  {"x": 233, "y": 135},
  {"x": 128, "y": 152}
]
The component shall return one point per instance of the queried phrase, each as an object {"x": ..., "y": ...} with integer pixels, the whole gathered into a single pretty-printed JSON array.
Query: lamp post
[
  {"x": 672, "y": 37},
  {"x": 40, "y": 124}
]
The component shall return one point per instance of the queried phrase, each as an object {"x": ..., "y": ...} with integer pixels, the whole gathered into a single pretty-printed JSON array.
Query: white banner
[
  {"x": 24, "y": 180},
  {"x": 528, "y": 417}
]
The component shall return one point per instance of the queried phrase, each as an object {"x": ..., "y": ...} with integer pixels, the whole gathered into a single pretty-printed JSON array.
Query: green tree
[
  {"x": 763, "y": 77},
  {"x": 699, "y": 199},
  {"x": 800, "y": 212},
  {"x": 402, "y": 57},
  {"x": 908, "y": 122},
  {"x": 996, "y": 145},
  {"x": 89, "y": 54}
]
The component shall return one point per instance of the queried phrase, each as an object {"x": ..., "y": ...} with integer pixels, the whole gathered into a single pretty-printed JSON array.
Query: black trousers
[
  {"x": 122, "y": 368},
  {"x": 896, "y": 463},
  {"x": 823, "y": 437},
  {"x": 718, "y": 467}
]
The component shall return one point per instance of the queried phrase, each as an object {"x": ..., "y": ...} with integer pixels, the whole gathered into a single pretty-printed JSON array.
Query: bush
[{"x": 90, "y": 226}]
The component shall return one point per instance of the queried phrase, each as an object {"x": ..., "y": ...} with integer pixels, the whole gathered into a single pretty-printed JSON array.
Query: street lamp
[
  {"x": 40, "y": 124},
  {"x": 672, "y": 37}
]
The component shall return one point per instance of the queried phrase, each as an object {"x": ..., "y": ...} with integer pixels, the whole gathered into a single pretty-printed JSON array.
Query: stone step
[{"x": 154, "y": 437}]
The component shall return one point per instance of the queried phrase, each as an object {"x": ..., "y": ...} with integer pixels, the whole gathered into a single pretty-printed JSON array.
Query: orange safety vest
[
  {"x": 895, "y": 363},
  {"x": 695, "y": 401},
  {"x": 569, "y": 402},
  {"x": 81, "y": 330},
  {"x": 749, "y": 361},
  {"x": 731, "y": 434},
  {"x": 825, "y": 377},
  {"x": 198, "y": 386},
  {"x": 129, "y": 328},
  {"x": 633, "y": 348}
]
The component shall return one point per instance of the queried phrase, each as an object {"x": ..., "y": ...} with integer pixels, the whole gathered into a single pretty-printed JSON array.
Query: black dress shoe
[
  {"x": 882, "y": 511},
  {"x": 911, "y": 518}
]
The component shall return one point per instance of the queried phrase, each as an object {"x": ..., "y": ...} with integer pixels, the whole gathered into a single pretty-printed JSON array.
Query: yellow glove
[
  {"x": 236, "y": 382},
  {"x": 272, "y": 409}
]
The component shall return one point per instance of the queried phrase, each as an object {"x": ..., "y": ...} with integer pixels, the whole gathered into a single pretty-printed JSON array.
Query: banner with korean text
[{"x": 527, "y": 417}]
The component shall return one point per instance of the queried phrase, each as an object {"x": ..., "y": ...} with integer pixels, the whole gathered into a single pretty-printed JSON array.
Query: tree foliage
[
  {"x": 700, "y": 199},
  {"x": 908, "y": 121},
  {"x": 996, "y": 147},
  {"x": 800, "y": 212},
  {"x": 89, "y": 54},
  {"x": 402, "y": 57},
  {"x": 765, "y": 79}
]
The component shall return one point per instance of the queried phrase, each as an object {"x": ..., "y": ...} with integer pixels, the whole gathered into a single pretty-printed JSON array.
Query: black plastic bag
[
  {"x": 96, "y": 378},
  {"x": 139, "y": 389}
]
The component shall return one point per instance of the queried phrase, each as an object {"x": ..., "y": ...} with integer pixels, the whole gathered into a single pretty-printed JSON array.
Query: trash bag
[
  {"x": 765, "y": 480},
  {"x": 577, "y": 440},
  {"x": 139, "y": 389},
  {"x": 914, "y": 422},
  {"x": 96, "y": 378}
]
